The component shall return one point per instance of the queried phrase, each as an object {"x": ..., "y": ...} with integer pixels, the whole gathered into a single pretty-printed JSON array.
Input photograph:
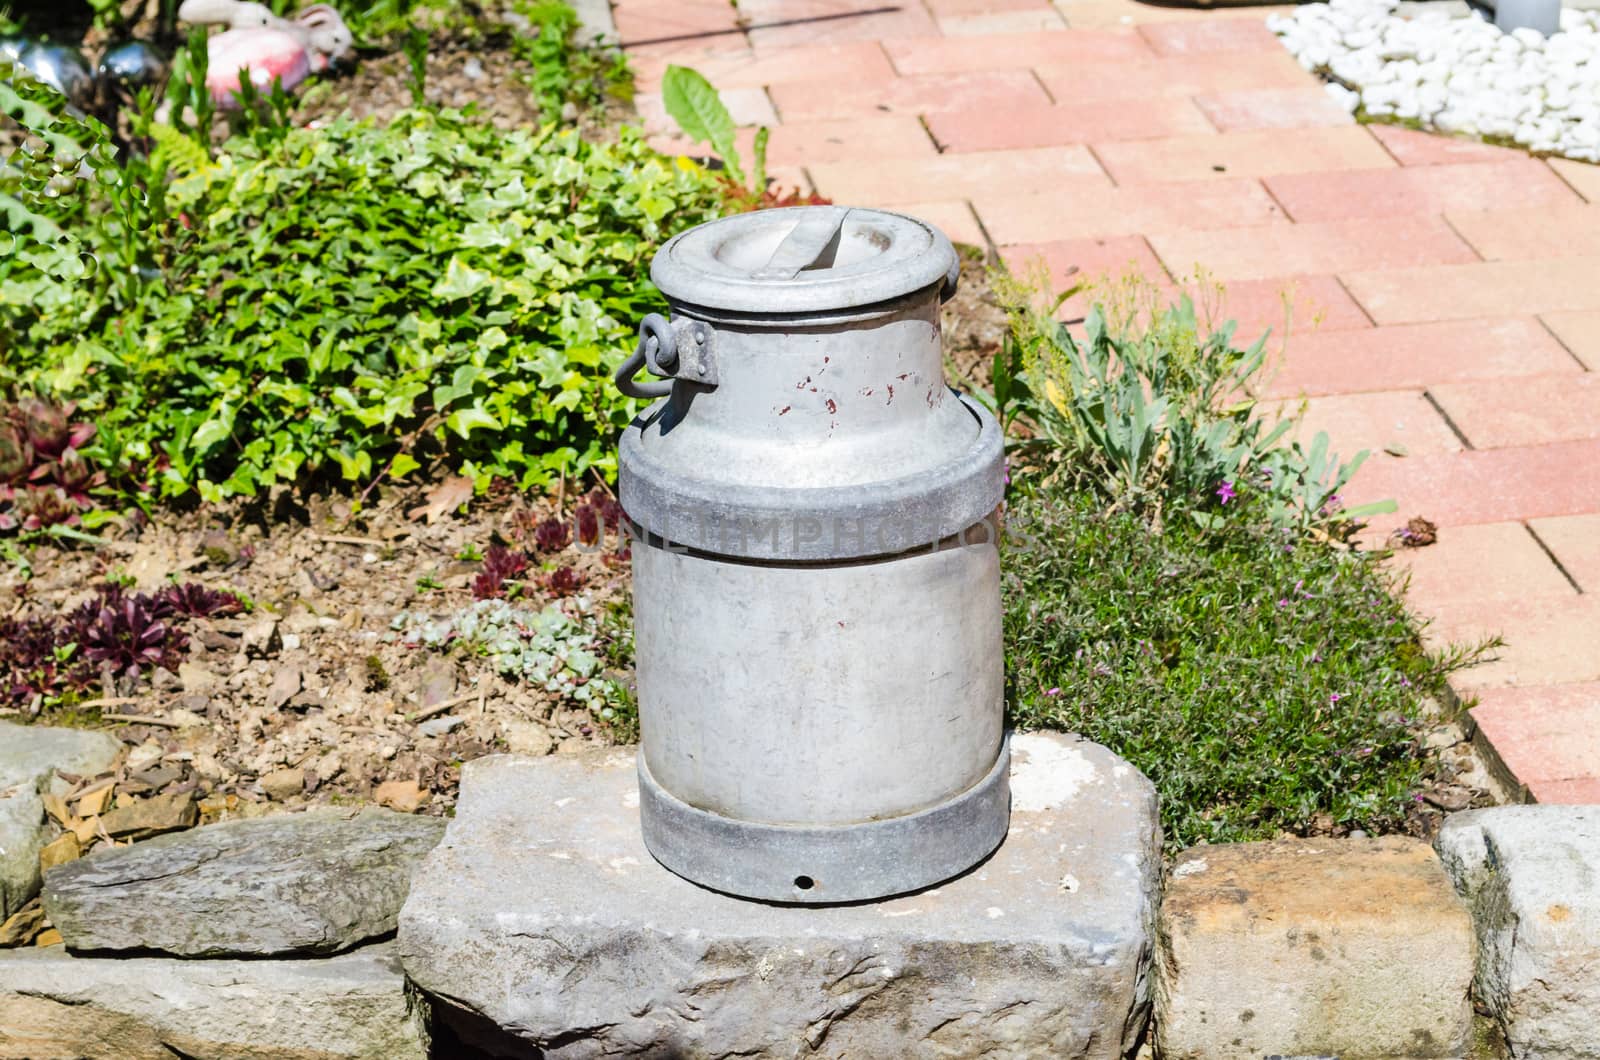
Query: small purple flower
[
  {"x": 1282, "y": 604},
  {"x": 1334, "y": 698},
  {"x": 1405, "y": 682},
  {"x": 1316, "y": 656},
  {"x": 1052, "y": 691},
  {"x": 1226, "y": 492},
  {"x": 1007, "y": 469}
]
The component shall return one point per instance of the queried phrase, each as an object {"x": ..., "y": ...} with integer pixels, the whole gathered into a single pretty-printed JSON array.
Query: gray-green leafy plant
[
  {"x": 562, "y": 655},
  {"x": 1161, "y": 417}
]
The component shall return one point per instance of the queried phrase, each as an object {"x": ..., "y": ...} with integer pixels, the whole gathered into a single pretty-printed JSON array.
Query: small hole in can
[{"x": 804, "y": 883}]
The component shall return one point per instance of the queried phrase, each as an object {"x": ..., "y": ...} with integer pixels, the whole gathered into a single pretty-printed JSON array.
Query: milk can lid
[{"x": 803, "y": 259}]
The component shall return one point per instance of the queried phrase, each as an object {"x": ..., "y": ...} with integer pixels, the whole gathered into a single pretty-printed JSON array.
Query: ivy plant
[{"x": 358, "y": 301}]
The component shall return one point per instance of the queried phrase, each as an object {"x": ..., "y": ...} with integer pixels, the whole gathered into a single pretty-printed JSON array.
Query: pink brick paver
[
  {"x": 1272, "y": 108},
  {"x": 1527, "y": 411},
  {"x": 1264, "y": 252},
  {"x": 1574, "y": 540},
  {"x": 1075, "y": 209},
  {"x": 1399, "y": 420},
  {"x": 1097, "y": 81},
  {"x": 1444, "y": 294},
  {"x": 1413, "y": 148},
  {"x": 1579, "y": 332},
  {"x": 1417, "y": 355},
  {"x": 1548, "y": 231},
  {"x": 1420, "y": 191},
  {"x": 1043, "y": 124}
]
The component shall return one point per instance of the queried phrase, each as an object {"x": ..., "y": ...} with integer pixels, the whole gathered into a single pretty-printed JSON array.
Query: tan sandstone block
[{"x": 1351, "y": 947}]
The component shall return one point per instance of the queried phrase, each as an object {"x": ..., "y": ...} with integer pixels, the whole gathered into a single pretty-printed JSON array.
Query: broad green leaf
[{"x": 701, "y": 114}]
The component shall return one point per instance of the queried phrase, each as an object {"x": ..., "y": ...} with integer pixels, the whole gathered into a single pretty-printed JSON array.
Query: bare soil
[{"x": 314, "y": 678}]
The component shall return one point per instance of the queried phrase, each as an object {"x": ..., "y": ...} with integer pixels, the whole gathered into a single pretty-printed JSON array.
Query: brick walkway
[{"x": 1455, "y": 286}]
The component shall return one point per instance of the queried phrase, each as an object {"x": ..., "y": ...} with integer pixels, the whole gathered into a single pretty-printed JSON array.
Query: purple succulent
[
  {"x": 564, "y": 581},
  {"x": 500, "y": 565},
  {"x": 193, "y": 600},
  {"x": 552, "y": 535},
  {"x": 128, "y": 635}
]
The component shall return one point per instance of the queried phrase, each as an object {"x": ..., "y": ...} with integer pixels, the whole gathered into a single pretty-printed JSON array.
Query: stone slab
[
  {"x": 1532, "y": 877},
  {"x": 54, "y": 1006},
  {"x": 305, "y": 883},
  {"x": 542, "y": 921},
  {"x": 28, "y": 755},
  {"x": 21, "y": 839},
  {"x": 29, "y": 752},
  {"x": 1357, "y": 948}
]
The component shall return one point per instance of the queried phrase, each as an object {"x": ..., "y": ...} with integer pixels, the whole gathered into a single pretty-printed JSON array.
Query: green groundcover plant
[
  {"x": 1261, "y": 678},
  {"x": 356, "y": 301}
]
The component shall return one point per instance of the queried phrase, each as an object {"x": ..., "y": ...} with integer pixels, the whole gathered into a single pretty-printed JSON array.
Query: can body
[{"x": 817, "y": 609}]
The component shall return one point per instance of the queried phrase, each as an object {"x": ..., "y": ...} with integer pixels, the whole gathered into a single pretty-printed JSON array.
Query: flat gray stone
[
  {"x": 28, "y": 755},
  {"x": 21, "y": 838},
  {"x": 1532, "y": 877},
  {"x": 305, "y": 883},
  {"x": 542, "y": 922},
  {"x": 355, "y": 1006},
  {"x": 595, "y": 23},
  {"x": 29, "y": 752}
]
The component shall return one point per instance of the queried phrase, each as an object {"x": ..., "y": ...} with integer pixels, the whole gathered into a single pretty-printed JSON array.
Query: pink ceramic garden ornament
[{"x": 264, "y": 47}]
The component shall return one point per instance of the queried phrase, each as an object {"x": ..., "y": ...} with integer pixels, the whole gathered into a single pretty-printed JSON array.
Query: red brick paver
[
  {"x": 1420, "y": 191},
  {"x": 1417, "y": 355},
  {"x": 1258, "y": 153},
  {"x": 1043, "y": 124},
  {"x": 1443, "y": 295}
]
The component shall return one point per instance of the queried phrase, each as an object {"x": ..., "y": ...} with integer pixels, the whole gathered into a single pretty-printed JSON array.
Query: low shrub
[
  {"x": 1260, "y": 677},
  {"x": 357, "y": 300}
]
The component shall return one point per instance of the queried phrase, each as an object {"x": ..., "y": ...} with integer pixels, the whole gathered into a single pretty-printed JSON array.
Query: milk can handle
[{"x": 657, "y": 349}]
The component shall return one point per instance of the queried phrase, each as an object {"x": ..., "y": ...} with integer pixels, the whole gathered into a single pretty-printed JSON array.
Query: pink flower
[
  {"x": 1226, "y": 492},
  {"x": 1334, "y": 698},
  {"x": 1052, "y": 691}
]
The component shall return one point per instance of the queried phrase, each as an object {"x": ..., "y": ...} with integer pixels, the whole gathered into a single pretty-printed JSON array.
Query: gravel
[{"x": 1457, "y": 73}]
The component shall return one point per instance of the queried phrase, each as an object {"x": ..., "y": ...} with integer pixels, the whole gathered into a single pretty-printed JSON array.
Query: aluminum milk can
[{"x": 815, "y": 572}]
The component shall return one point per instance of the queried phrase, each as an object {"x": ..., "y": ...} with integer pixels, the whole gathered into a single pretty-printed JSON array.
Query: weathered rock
[
  {"x": 1532, "y": 877},
  {"x": 142, "y": 818},
  {"x": 22, "y": 835},
  {"x": 60, "y": 850},
  {"x": 29, "y": 752},
  {"x": 299, "y": 883},
  {"x": 356, "y": 1006},
  {"x": 1351, "y": 947},
  {"x": 542, "y": 914},
  {"x": 284, "y": 784},
  {"x": 22, "y": 926},
  {"x": 28, "y": 755},
  {"x": 407, "y": 796}
]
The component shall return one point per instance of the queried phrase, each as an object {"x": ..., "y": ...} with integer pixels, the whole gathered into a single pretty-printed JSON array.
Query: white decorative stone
[
  {"x": 1532, "y": 877},
  {"x": 542, "y": 917},
  {"x": 1458, "y": 74}
]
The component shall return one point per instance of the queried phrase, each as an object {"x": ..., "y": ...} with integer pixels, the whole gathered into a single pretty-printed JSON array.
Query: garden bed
[{"x": 356, "y": 376}]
